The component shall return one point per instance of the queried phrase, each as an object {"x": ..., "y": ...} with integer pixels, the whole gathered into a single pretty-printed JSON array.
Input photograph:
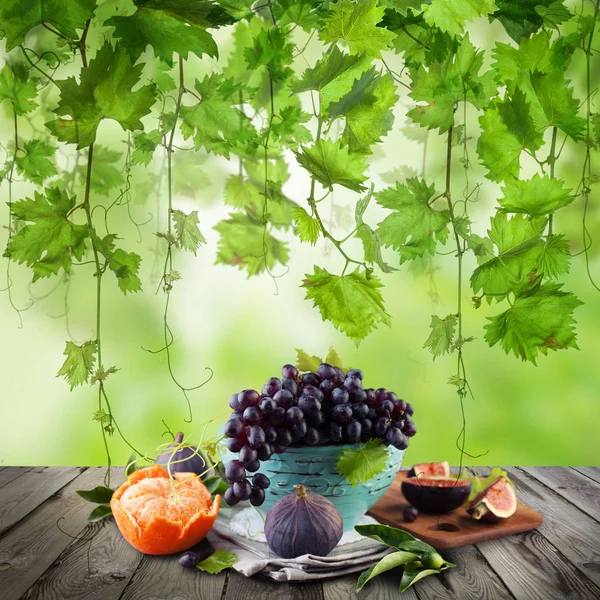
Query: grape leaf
[
  {"x": 520, "y": 18},
  {"x": 246, "y": 244},
  {"x": 79, "y": 363},
  {"x": 145, "y": 145},
  {"x": 441, "y": 338},
  {"x": 105, "y": 175},
  {"x": 518, "y": 241},
  {"x": 49, "y": 241},
  {"x": 36, "y": 164},
  {"x": 214, "y": 122},
  {"x": 16, "y": 86},
  {"x": 218, "y": 561},
  {"x": 456, "y": 79},
  {"x": 288, "y": 128},
  {"x": 169, "y": 26},
  {"x": 352, "y": 303},
  {"x": 308, "y": 227},
  {"x": 361, "y": 464},
  {"x": 305, "y": 362},
  {"x": 367, "y": 109},
  {"x": 66, "y": 16},
  {"x": 536, "y": 196},
  {"x": 330, "y": 163},
  {"x": 238, "y": 9},
  {"x": 507, "y": 128},
  {"x": 104, "y": 92},
  {"x": 188, "y": 233},
  {"x": 125, "y": 265},
  {"x": 356, "y": 24},
  {"x": 333, "y": 358},
  {"x": 411, "y": 227},
  {"x": 554, "y": 14},
  {"x": 451, "y": 15},
  {"x": 555, "y": 257},
  {"x": 271, "y": 50},
  {"x": 304, "y": 13},
  {"x": 539, "y": 320}
]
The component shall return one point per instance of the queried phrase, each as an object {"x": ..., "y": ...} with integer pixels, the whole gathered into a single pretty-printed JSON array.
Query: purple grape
[
  {"x": 355, "y": 373},
  {"x": 233, "y": 427},
  {"x": 253, "y": 466},
  {"x": 265, "y": 452},
  {"x": 326, "y": 408},
  {"x": 367, "y": 427},
  {"x": 234, "y": 445},
  {"x": 284, "y": 398},
  {"x": 262, "y": 481},
  {"x": 298, "y": 430},
  {"x": 290, "y": 385},
  {"x": 352, "y": 384},
  {"x": 248, "y": 454},
  {"x": 399, "y": 408},
  {"x": 394, "y": 436},
  {"x": 326, "y": 371},
  {"x": 381, "y": 425},
  {"x": 289, "y": 372},
  {"x": 311, "y": 390},
  {"x": 380, "y": 394},
  {"x": 278, "y": 416},
  {"x": 271, "y": 387},
  {"x": 409, "y": 409},
  {"x": 389, "y": 396},
  {"x": 340, "y": 396},
  {"x": 410, "y": 514},
  {"x": 252, "y": 415},
  {"x": 353, "y": 431},
  {"x": 256, "y": 436},
  {"x": 323, "y": 437},
  {"x": 409, "y": 429},
  {"x": 341, "y": 413},
  {"x": 372, "y": 414},
  {"x": 385, "y": 408},
  {"x": 370, "y": 400},
  {"x": 312, "y": 437},
  {"x": 399, "y": 423},
  {"x": 311, "y": 379},
  {"x": 340, "y": 374},
  {"x": 189, "y": 560},
  {"x": 360, "y": 410},
  {"x": 284, "y": 437},
  {"x": 248, "y": 398},
  {"x": 327, "y": 386},
  {"x": 309, "y": 405},
  {"x": 267, "y": 405},
  {"x": 335, "y": 432},
  {"x": 315, "y": 420},
  {"x": 270, "y": 434},
  {"x": 235, "y": 471},
  {"x": 358, "y": 396},
  {"x": 242, "y": 489},
  {"x": 230, "y": 498},
  {"x": 234, "y": 403},
  {"x": 257, "y": 496},
  {"x": 294, "y": 415}
]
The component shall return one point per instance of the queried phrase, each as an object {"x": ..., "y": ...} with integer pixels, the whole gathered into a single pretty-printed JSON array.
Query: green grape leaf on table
[
  {"x": 186, "y": 227},
  {"x": 330, "y": 163},
  {"x": 352, "y": 303},
  {"x": 50, "y": 240},
  {"x": 79, "y": 363},
  {"x": 218, "y": 561},
  {"x": 16, "y": 86},
  {"x": 245, "y": 243},
  {"x": 169, "y": 26},
  {"x": 535, "y": 197},
  {"x": 441, "y": 338},
  {"x": 103, "y": 92},
  {"x": 65, "y": 16},
  {"x": 363, "y": 463},
  {"x": 451, "y": 15},
  {"x": 308, "y": 227},
  {"x": 37, "y": 164},
  {"x": 271, "y": 50},
  {"x": 367, "y": 110},
  {"x": 125, "y": 265},
  {"x": 443, "y": 84},
  {"x": 356, "y": 24},
  {"x": 414, "y": 226},
  {"x": 214, "y": 122},
  {"x": 539, "y": 320},
  {"x": 507, "y": 129}
]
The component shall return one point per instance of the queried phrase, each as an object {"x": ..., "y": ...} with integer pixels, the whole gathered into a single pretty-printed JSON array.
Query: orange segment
[{"x": 159, "y": 515}]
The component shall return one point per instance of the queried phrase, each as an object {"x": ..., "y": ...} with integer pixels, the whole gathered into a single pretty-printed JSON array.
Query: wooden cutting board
[{"x": 454, "y": 529}]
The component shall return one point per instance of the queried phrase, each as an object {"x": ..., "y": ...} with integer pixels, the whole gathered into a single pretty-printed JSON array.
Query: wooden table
[{"x": 559, "y": 561}]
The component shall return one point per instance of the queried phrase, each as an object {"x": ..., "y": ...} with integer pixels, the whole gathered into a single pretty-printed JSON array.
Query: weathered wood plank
[
  {"x": 533, "y": 569},
  {"x": 591, "y": 472},
  {"x": 254, "y": 588},
  {"x": 472, "y": 578},
  {"x": 575, "y": 487},
  {"x": 99, "y": 569},
  {"x": 33, "y": 544},
  {"x": 575, "y": 534},
  {"x": 383, "y": 587},
  {"x": 8, "y": 474},
  {"x": 162, "y": 578},
  {"x": 22, "y": 495}
]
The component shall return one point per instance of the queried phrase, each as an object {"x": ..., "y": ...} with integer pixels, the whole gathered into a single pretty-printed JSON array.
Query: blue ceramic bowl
[{"x": 314, "y": 467}]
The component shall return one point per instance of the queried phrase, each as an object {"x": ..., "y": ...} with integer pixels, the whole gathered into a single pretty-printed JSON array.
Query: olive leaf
[
  {"x": 395, "y": 559},
  {"x": 100, "y": 512},
  {"x": 99, "y": 495}
]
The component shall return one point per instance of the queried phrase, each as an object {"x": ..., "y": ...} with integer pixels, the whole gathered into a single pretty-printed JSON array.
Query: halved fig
[
  {"x": 441, "y": 469},
  {"x": 496, "y": 502},
  {"x": 436, "y": 494}
]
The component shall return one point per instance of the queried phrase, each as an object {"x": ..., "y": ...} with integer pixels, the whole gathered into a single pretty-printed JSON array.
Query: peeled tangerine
[
  {"x": 496, "y": 502},
  {"x": 160, "y": 515}
]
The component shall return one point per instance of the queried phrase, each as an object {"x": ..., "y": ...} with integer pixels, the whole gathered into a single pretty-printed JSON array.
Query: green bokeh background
[{"x": 245, "y": 329}]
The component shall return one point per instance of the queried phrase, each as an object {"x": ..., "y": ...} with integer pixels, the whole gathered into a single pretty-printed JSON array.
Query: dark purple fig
[
  {"x": 436, "y": 494},
  {"x": 303, "y": 523},
  {"x": 181, "y": 458}
]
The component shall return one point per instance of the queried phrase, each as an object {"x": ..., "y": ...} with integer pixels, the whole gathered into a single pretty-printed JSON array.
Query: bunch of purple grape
[{"x": 326, "y": 407}]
